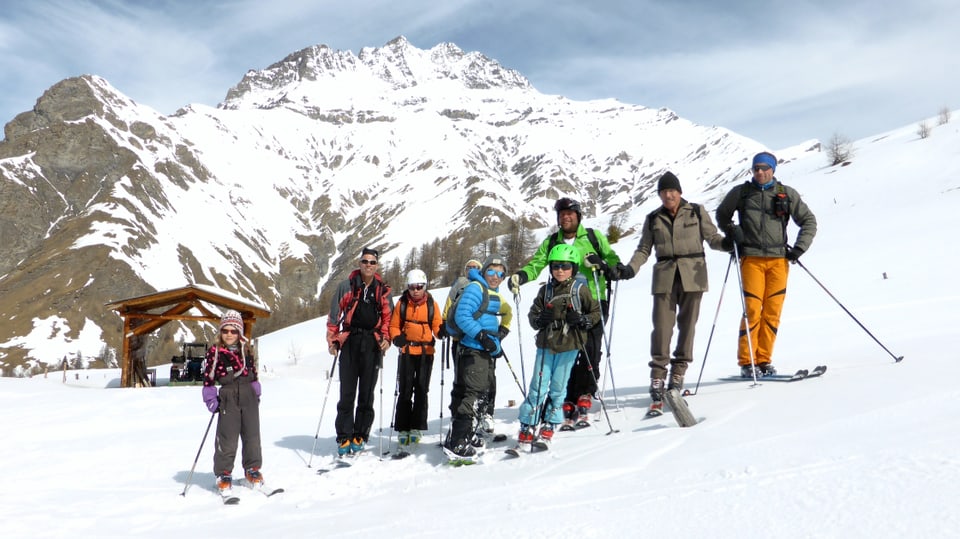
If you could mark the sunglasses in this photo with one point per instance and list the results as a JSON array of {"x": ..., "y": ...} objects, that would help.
[
  {"x": 759, "y": 168},
  {"x": 416, "y": 287},
  {"x": 495, "y": 273},
  {"x": 366, "y": 262},
  {"x": 226, "y": 331},
  {"x": 561, "y": 266}
]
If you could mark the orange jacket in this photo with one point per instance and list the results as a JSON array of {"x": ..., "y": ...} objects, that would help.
[{"x": 419, "y": 332}]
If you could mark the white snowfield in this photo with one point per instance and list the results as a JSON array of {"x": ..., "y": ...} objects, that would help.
[{"x": 867, "y": 450}]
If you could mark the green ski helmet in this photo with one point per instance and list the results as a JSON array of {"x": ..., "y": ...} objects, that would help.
[{"x": 565, "y": 253}]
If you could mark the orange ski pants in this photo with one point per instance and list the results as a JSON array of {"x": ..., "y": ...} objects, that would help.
[{"x": 764, "y": 289}]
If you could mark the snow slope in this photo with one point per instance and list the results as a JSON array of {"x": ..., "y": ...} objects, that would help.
[{"x": 868, "y": 450}]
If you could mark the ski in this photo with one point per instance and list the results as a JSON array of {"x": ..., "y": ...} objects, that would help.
[
  {"x": 537, "y": 446},
  {"x": 802, "y": 374},
  {"x": 401, "y": 454},
  {"x": 678, "y": 405},
  {"x": 228, "y": 498},
  {"x": 266, "y": 492},
  {"x": 655, "y": 410},
  {"x": 339, "y": 462},
  {"x": 817, "y": 371},
  {"x": 457, "y": 461}
]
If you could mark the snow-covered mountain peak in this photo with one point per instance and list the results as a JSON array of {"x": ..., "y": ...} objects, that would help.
[{"x": 319, "y": 76}]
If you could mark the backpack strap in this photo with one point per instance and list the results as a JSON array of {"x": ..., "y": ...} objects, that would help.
[{"x": 431, "y": 310}]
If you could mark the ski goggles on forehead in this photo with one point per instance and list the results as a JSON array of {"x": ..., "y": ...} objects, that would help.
[{"x": 496, "y": 273}]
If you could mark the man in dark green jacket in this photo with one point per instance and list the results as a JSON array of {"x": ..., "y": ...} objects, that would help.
[{"x": 764, "y": 207}]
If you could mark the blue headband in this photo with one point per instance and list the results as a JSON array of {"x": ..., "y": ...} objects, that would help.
[{"x": 765, "y": 158}]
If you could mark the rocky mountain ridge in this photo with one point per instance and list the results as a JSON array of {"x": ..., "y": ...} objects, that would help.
[{"x": 271, "y": 194}]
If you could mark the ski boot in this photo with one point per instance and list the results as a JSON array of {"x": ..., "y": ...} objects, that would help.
[
  {"x": 568, "y": 421},
  {"x": 749, "y": 371},
  {"x": 544, "y": 437},
  {"x": 357, "y": 445},
  {"x": 253, "y": 476},
  {"x": 583, "y": 411},
  {"x": 676, "y": 382},
  {"x": 486, "y": 424},
  {"x": 525, "y": 437},
  {"x": 766, "y": 369},
  {"x": 225, "y": 482},
  {"x": 656, "y": 398}
]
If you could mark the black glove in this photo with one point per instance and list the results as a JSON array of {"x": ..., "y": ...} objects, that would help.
[
  {"x": 576, "y": 319},
  {"x": 734, "y": 235},
  {"x": 727, "y": 244},
  {"x": 793, "y": 253},
  {"x": 400, "y": 341},
  {"x": 502, "y": 332},
  {"x": 442, "y": 332},
  {"x": 545, "y": 318},
  {"x": 487, "y": 341},
  {"x": 594, "y": 261},
  {"x": 737, "y": 233},
  {"x": 625, "y": 271}
]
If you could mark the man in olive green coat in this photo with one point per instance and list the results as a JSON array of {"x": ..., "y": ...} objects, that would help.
[
  {"x": 677, "y": 230},
  {"x": 764, "y": 206}
]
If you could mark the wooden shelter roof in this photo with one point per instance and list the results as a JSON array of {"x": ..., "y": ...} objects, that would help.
[{"x": 138, "y": 320}]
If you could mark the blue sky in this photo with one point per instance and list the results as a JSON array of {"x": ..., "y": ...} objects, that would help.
[{"x": 778, "y": 72}]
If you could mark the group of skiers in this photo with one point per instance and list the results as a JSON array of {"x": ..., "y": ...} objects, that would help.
[{"x": 568, "y": 314}]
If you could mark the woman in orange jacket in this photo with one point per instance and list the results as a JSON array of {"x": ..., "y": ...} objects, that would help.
[{"x": 414, "y": 328}]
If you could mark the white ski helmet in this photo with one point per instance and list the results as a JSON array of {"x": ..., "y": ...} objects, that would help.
[{"x": 416, "y": 277}]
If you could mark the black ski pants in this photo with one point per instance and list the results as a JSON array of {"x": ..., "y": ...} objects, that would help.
[
  {"x": 413, "y": 376},
  {"x": 472, "y": 378},
  {"x": 359, "y": 366}
]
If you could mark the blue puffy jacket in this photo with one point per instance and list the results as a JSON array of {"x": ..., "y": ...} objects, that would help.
[{"x": 469, "y": 303}]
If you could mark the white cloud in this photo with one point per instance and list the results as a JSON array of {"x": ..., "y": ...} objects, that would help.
[{"x": 853, "y": 66}]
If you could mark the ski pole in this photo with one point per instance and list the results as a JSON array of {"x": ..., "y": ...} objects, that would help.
[
  {"x": 515, "y": 379},
  {"x": 523, "y": 370},
  {"x": 380, "y": 414},
  {"x": 609, "y": 366},
  {"x": 203, "y": 441},
  {"x": 444, "y": 362},
  {"x": 746, "y": 320},
  {"x": 541, "y": 399},
  {"x": 326, "y": 394},
  {"x": 393, "y": 414},
  {"x": 896, "y": 359},
  {"x": 603, "y": 325},
  {"x": 603, "y": 405},
  {"x": 706, "y": 353}
]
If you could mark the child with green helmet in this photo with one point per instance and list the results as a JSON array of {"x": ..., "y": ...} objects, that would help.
[{"x": 561, "y": 313}]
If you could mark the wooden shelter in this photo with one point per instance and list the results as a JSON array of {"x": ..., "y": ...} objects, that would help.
[{"x": 145, "y": 314}]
